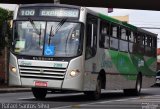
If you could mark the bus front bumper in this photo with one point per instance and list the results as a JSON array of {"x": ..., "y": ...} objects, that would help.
[{"x": 44, "y": 83}]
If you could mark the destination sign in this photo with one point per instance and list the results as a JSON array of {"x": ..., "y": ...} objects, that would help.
[
  {"x": 27, "y": 12},
  {"x": 60, "y": 12}
]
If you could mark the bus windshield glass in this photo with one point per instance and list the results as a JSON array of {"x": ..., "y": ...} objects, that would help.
[{"x": 50, "y": 39}]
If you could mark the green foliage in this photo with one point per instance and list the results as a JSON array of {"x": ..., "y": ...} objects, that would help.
[
  {"x": 5, "y": 15},
  {"x": 5, "y": 18}
]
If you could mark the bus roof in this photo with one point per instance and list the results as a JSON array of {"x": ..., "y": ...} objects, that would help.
[{"x": 48, "y": 5}]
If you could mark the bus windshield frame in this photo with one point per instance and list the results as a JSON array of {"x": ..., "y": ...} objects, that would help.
[{"x": 48, "y": 38}]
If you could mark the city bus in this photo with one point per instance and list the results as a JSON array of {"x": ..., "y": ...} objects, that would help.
[{"x": 57, "y": 47}]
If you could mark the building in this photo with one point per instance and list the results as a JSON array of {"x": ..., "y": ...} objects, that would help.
[{"x": 122, "y": 18}]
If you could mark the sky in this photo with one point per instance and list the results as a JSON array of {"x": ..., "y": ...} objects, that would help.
[{"x": 140, "y": 18}]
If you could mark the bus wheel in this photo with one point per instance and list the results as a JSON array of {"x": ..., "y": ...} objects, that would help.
[
  {"x": 137, "y": 89},
  {"x": 97, "y": 93},
  {"x": 138, "y": 85},
  {"x": 39, "y": 93}
]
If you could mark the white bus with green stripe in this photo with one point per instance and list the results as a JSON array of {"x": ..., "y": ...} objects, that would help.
[{"x": 70, "y": 48}]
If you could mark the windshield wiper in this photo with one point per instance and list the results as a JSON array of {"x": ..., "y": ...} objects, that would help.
[
  {"x": 53, "y": 32},
  {"x": 35, "y": 28},
  {"x": 50, "y": 35}
]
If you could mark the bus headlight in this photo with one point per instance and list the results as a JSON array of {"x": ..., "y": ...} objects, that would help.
[
  {"x": 12, "y": 69},
  {"x": 74, "y": 73}
]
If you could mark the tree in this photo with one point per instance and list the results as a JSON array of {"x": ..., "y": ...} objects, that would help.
[{"x": 5, "y": 18}]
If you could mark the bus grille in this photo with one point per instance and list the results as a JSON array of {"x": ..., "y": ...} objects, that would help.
[{"x": 42, "y": 72}]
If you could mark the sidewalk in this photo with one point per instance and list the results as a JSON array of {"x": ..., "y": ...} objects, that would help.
[{"x": 10, "y": 89}]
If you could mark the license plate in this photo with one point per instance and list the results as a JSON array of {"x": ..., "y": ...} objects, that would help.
[{"x": 41, "y": 84}]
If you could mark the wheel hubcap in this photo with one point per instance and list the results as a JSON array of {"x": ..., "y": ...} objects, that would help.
[{"x": 138, "y": 86}]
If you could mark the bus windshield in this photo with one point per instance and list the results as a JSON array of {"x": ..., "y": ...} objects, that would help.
[{"x": 50, "y": 39}]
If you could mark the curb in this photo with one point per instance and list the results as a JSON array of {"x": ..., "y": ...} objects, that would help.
[{"x": 14, "y": 90}]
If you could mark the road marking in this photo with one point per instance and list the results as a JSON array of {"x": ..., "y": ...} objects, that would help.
[
  {"x": 144, "y": 101},
  {"x": 87, "y": 104},
  {"x": 26, "y": 98}
]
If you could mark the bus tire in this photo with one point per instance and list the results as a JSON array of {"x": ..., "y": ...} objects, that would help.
[
  {"x": 137, "y": 90},
  {"x": 97, "y": 92},
  {"x": 39, "y": 93},
  {"x": 95, "y": 95},
  {"x": 138, "y": 85}
]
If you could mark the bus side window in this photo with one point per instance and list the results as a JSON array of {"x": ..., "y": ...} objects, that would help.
[
  {"x": 131, "y": 41},
  {"x": 154, "y": 46},
  {"x": 154, "y": 42},
  {"x": 131, "y": 37},
  {"x": 114, "y": 37},
  {"x": 148, "y": 44},
  {"x": 139, "y": 43},
  {"x": 104, "y": 35},
  {"x": 123, "y": 41},
  {"x": 91, "y": 36}
]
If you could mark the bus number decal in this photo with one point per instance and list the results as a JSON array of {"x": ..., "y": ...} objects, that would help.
[
  {"x": 26, "y": 63},
  {"x": 29, "y": 12},
  {"x": 57, "y": 65}
]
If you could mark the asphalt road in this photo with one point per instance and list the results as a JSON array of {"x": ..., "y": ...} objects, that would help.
[{"x": 149, "y": 99}]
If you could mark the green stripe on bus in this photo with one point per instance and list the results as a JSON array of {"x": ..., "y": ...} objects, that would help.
[
  {"x": 110, "y": 19},
  {"x": 150, "y": 61},
  {"x": 129, "y": 64}
]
